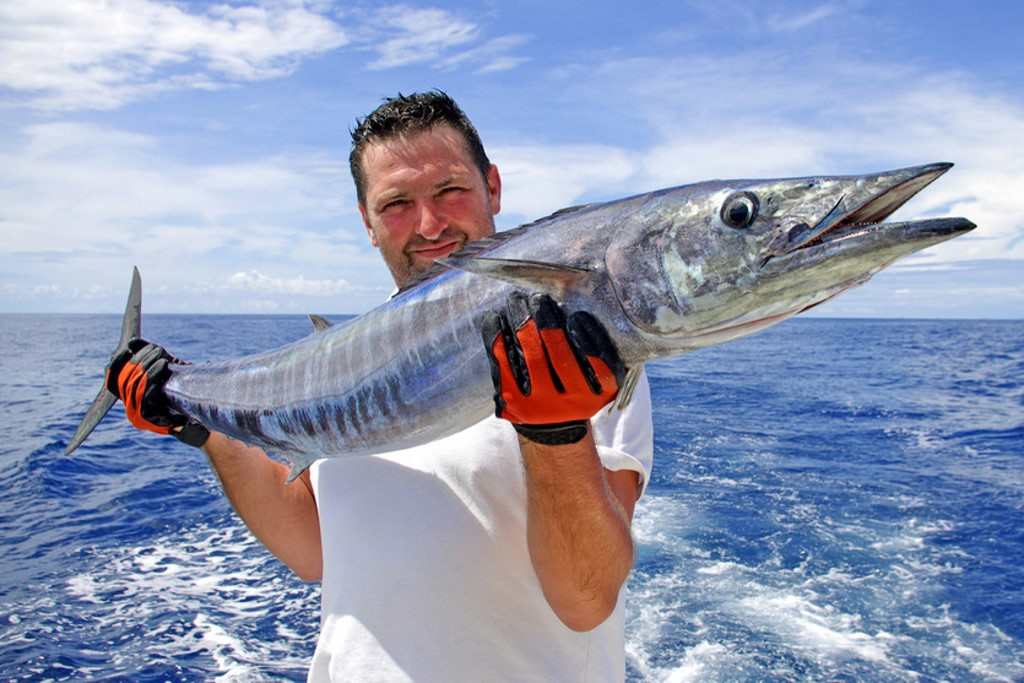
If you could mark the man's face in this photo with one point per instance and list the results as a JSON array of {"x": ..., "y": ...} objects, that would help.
[{"x": 425, "y": 198}]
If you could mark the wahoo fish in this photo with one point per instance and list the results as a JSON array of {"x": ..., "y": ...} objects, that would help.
[{"x": 667, "y": 272}]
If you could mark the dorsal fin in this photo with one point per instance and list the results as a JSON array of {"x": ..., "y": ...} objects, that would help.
[
  {"x": 482, "y": 246},
  {"x": 320, "y": 323}
]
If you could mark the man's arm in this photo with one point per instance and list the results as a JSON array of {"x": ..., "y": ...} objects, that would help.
[
  {"x": 282, "y": 516},
  {"x": 551, "y": 374},
  {"x": 578, "y": 529}
]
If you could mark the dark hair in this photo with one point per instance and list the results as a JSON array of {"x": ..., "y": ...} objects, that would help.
[{"x": 411, "y": 114}]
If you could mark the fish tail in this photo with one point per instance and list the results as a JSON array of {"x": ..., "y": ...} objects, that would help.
[{"x": 131, "y": 328}]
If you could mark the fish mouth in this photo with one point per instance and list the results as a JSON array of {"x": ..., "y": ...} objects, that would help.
[
  {"x": 857, "y": 220},
  {"x": 864, "y": 203},
  {"x": 907, "y": 183}
]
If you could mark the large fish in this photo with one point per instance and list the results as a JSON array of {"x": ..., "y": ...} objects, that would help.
[{"x": 668, "y": 272}]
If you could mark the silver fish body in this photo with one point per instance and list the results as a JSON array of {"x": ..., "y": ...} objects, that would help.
[{"x": 667, "y": 272}]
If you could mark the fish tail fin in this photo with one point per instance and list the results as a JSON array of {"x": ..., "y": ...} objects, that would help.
[{"x": 131, "y": 328}]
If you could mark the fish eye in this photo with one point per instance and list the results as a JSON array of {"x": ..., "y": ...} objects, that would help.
[{"x": 740, "y": 209}]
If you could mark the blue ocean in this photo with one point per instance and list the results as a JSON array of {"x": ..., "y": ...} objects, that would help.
[{"x": 832, "y": 500}]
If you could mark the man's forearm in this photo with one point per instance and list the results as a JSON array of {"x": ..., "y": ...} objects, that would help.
[
  {"x": 282, "y": 516},
  {"x": 577, "y": 531}
]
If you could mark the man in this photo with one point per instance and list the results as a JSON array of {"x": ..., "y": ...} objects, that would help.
[{"x": 498, "y": 553}]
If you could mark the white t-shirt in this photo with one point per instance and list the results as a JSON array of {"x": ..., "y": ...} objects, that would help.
[{"x": 427, "y": 575}]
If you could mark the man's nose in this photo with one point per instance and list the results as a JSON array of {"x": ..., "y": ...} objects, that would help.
[{"x": 432, "y": 222}]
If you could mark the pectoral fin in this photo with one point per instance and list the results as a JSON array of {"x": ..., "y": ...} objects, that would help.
[
  {"x": 553, "y": 278},
  {"x": 627, "y": 389}
]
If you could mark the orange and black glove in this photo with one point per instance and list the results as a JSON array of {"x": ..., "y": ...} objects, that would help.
[
  {"x": 551, "y": 374},
  {"x": 137, "y": 376}
]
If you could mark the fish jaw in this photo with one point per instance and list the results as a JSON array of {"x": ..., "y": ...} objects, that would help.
[
  {"x": 859, "y": 200},
  {"x": 851, "y": 254}
]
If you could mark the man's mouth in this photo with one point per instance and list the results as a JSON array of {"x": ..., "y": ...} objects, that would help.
[{"x": 434, "y": 251}]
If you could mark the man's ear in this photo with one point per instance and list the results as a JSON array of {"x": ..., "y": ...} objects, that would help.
[
  {"x": 366, "y": 224},
  {"x": 494, "y": 189}
]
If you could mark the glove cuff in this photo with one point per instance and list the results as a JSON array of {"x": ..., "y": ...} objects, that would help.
[
  {"x": 558, "y": 434},
  {"x": 193, "y": 434}
]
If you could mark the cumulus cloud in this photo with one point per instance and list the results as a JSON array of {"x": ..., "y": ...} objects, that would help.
[
  {"x": 82, "y": 54},
  {"x": 766, "y": 113},
  {"x": 255, "y": 281},
  {"x": 402, "y": 35},
  {"x": 491, "y": 55},
  {"x": 82, "y": 203},
  {"x": 418, "y": 35},
  {"x": 78, "y": 186},
  {"x": 69, "y": 54},
  {"x": 538, "y": 179}
]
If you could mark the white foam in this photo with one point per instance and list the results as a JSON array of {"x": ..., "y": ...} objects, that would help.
[
  {"x": 218, "y": 577},
  {"x": 820, "y": 628},
  {"x": 719, "y": 568},
  {"x": 83, "y": 587},
  {"x": 695, "y": 663},
  {"x": 229, "y": 652},
  {"x": 661, "y": 521}
]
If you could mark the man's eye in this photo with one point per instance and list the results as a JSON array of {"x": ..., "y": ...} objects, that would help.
[
  {"x": 394, "y": 204},
  {"x": 451, "y": 191}
]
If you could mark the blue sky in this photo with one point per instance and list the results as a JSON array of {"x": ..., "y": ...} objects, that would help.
[{"x": 207, "y": 143}]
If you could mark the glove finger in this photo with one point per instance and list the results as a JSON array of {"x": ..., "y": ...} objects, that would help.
[
  {"x": 517, "y": 312},
  {"x": 570, "y": 369},
  {"x": 542, "y": 379},
  {"x": 141, "y": 364},
  {"x": 135, "y": 388},
  {"x": 490, "y": 330},
  {"x": 147, "y": 355},
  {"x": 565, "y": 363},
  {"x": 158, "y": 371},
  {"x": 154, "y": 401},
  {"x": 589, "y": 336},
  {"x": 128, "y": 380},
  {"x": 507, "y": 389},
  {"x": 133, "y": 372},
  {"x": 136, "y": 344},
  {"x": 139, "y": 412}
]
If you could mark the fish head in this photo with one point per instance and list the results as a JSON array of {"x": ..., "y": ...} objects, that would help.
[{"x": 705, "y": 263}]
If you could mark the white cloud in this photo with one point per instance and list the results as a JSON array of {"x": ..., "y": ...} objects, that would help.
[
  {"x": 733, "y": 150},
  {"x": 539, "y": 179},
  {"x": 766, "y": 113},
  {"x": 402, "y": 35},
  {"x": 70, "y": 54},
  {"x": 83, "y": 54},
  {"x": 491, "y": 55},
  {"x": 502, "y": 64},
  {"x": 418, "y": 35},
  {"x": 796, "y": 22},
  {"x": 755, "y": 18},
  {"x": 83, "y": 203},
  {"x": 258, "y": 282}
]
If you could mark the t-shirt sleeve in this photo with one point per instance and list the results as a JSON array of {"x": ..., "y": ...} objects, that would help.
[{"x": 625, "y": 439}]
